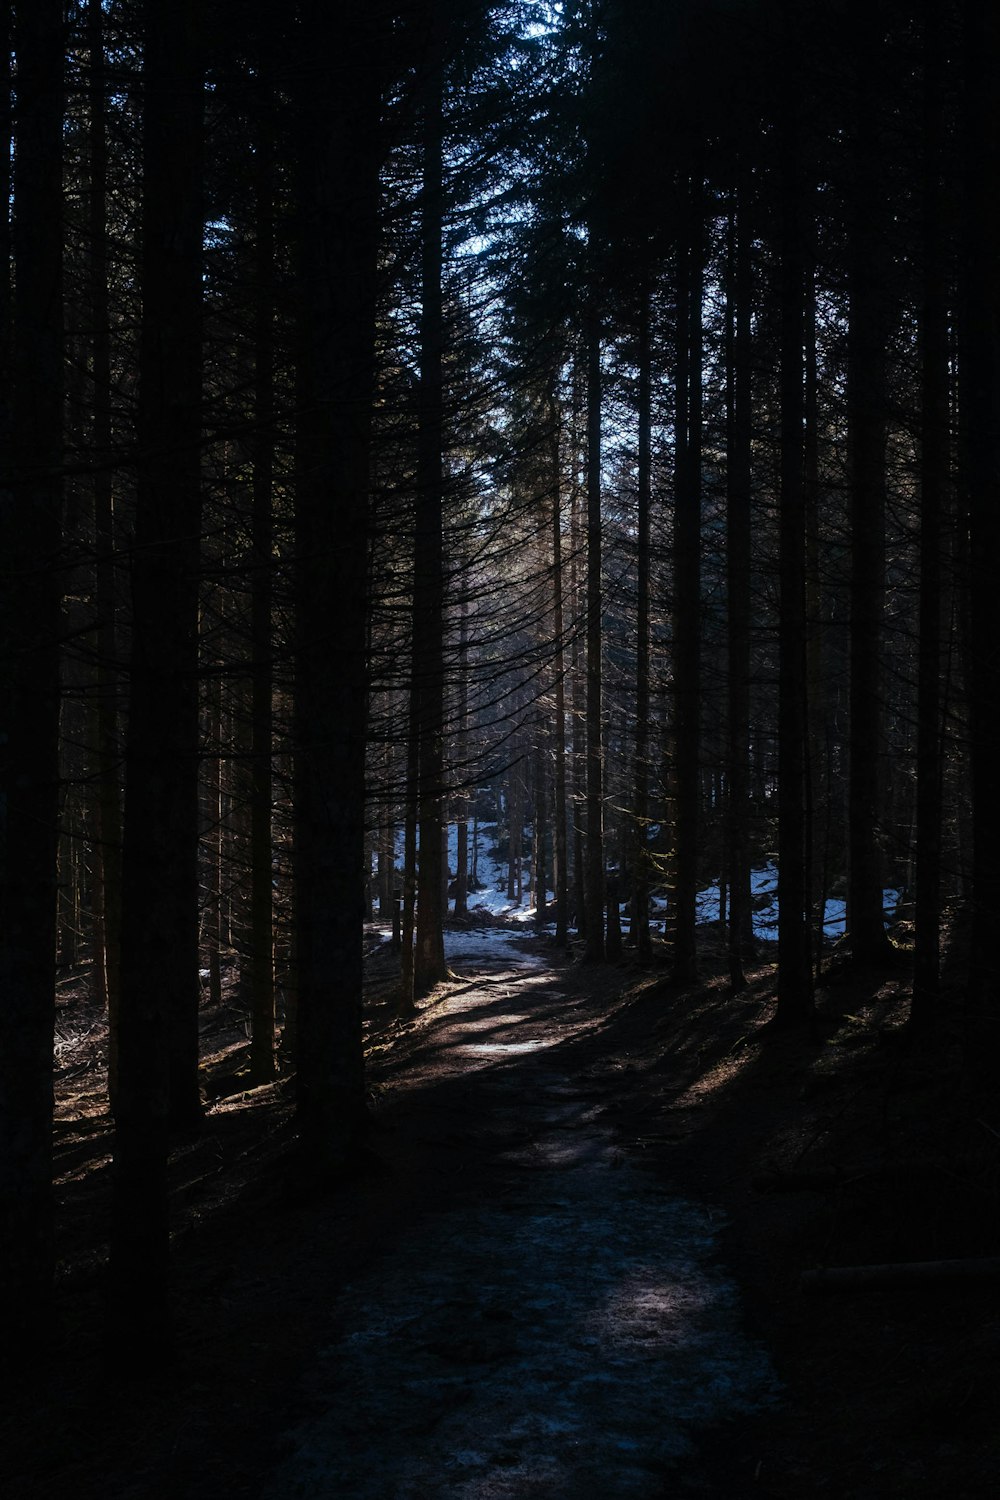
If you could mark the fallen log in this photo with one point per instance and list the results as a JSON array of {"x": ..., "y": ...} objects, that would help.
[{"x": 899, "y": 1274}]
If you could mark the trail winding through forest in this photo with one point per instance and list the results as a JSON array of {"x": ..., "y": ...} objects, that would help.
[{"x": 563, "y": 1328}]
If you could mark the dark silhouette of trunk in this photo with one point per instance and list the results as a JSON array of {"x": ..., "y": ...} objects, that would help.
[
  {"x": 539, "y": 825},
  {"x": 339, "y": 109},
  {"x": 738, "y": 599},
  {"x": 640, "y": 894},
  {"x": 262, "y": 1001},
  {"x": 429, "y": 965},
  {"x": 462, "y": 826},
  {"x": 594, "y": 873},
  {"x": 980, "y": 383},
  {"x": 866, "y": 418},
  {"x": 409, "y": 903},
  {"x": 934, "y": 467},
  {"x": 29, "y": 691},
  {"x": 560, "y": 853},
  {"x": 107, "y": 804},
  {"x": 687, "y": 590},
  {"x": 795, "y": 1003},
  {"x": 158, "y": 1030},
  {"x": 578, "y": 714},
  {"x": 213, "y": 842}
]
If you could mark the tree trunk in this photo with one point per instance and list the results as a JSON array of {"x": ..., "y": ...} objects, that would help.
[
  {"x": 428, "y": 587},
  {"x": 262, "y": 1005},
  {"x": 739, "y": 430},
  {"x": 934, "y": 467},
  {"x": 866, "y": 417},
  {"x": 980, "y": 374},
  {"x": 687, "y": 591},
  {"x": 29, "y": 692},
  {"x": 107, "y": 821},
  {"x": 795, "y": 1002},
  {"x": 339, "y": 111},
  {"x": 640, "y": 898},
  {"x": 462, "y": 829},
  {"x": 594, "y": 874},
  {"x": 559, "y": 841},
  {"x": 158, "y": 1032}
]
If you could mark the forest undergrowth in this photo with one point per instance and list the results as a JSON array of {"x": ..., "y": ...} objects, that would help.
[{"x": 856, "y": 1147}]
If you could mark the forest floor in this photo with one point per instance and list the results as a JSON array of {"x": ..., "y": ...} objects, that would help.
[{"x": 568, "y": 1265}]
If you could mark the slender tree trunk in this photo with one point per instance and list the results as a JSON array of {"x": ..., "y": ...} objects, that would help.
[
  {"x": 578, "y": 716},
  {"x": 795, "y": 1003},
  {"x": 462, "y": 829},
  {"x": 980, "y": 373},
  {"x": 934, "y": 466},
  {"x": 29, "y": 692},
  {"x": 408, "y": 916},
  {"x": 687, "y": 594},
  {"x": 559, "y": 850},
  {"x": 158, "y": 1031},
  {"x": 339, "y": 108},
  {"x": 738, "y": 552},
  {"x": 594, "y": 877},
  {"x": 640, "y": 901},
  {"x": 213, "y": 844},
  {"x": 262, "y": 1000},
  {"x": 867, "y": 415},
  {"x": 539, "y": 825},
  {"x": 107, "y": 822},
  {"x": 428, "y": 591}
]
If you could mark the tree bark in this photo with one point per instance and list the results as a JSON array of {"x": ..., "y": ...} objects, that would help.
[
  {"x": 158, "y": 1032},
  {"x": 428, "y": 587},
  {"x": 795, "y": 1000},
  {"x": 30, "y": 600},
  {"x": 934, "y": 467},
  {"x": 560, "y": 852},
  {"x": 339, "y": 109},
  {"x": 687, "y": 591},
  {"x": 738, "y": 598},
  {"x": 108, "y": 816},
  {"x": 980, "y": 388},
  {"x": 594, "y": 874},
  {"x": 640, "y": 898},
  {"x": 868, "y": 331},
  {"x": 262, "y": 1001}
]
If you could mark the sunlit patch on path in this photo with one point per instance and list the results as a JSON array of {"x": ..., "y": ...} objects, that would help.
[{"x": 565, "y": 1331}]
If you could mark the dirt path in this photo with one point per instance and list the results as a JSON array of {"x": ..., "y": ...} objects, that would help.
[{"x": 563, "y": 1327}]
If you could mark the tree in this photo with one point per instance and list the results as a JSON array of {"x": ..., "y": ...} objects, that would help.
[
  {"x": 158, "y": 1028},
  {"x": 794, "y": 968},
  {"x": 29, "y": 688},
  {"x": 338, "y": 101}
]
